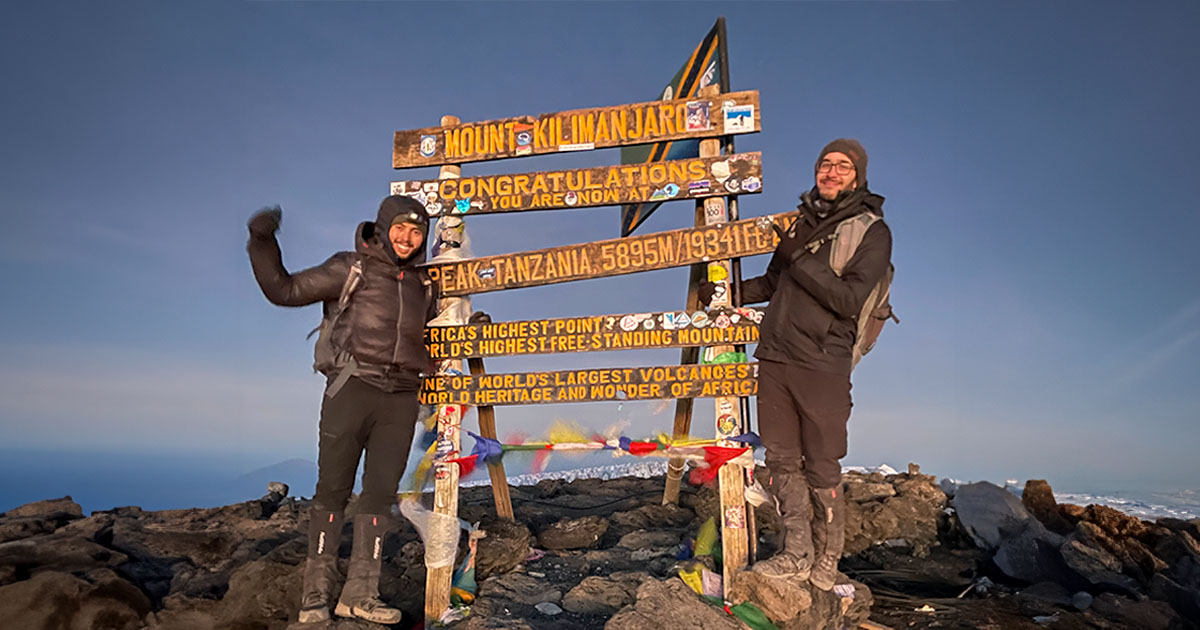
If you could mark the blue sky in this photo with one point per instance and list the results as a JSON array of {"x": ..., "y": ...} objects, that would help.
[{"x": 1035, "y": 157}]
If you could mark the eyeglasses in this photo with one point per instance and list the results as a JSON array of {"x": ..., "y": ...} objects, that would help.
[{"x": 842, "y": 168}]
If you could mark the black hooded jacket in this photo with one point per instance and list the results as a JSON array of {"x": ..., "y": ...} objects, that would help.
[
  {"x": 811, "y": 317},
  {"x": 383, "y": 324}
]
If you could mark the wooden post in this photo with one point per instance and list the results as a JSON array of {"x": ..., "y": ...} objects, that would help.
[
  {"x": 731, "y": 478},
  {"x": 683, "y": 406},
  {"x": 445, "y": 496},
  {"x": 487, "y": 428}
]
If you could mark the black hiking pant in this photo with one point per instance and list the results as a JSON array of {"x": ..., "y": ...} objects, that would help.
[
  {"x": 362, "y": 417},
  {"x": 802, "y": 417}
]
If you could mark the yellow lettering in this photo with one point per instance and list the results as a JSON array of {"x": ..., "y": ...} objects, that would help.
[{"x": 452, "y": 146}]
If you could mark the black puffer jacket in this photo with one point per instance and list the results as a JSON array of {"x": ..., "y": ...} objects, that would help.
[
  {"x": 811, "y": 318},
  {"x": 383, "y": 324}
]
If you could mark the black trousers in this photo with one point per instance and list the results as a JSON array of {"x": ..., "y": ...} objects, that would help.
[
  {"x": 362, "y": 417},
  {"x": 802, "y": 417}
]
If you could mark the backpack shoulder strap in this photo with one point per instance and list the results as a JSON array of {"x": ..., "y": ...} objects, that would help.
[
  {"x": 354, "y": 278},
  {"x": 847, "y": 237}
]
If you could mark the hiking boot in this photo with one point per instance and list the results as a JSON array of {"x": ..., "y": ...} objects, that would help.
[
  {"x": 794, "y": 560},
  {"x": 320, "y": 569},
  {"x": 360, "y": 596},
  {"x": 829, "y": 535}
]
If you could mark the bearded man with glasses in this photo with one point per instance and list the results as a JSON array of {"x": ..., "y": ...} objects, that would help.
[{"x": 805, "y": 356}]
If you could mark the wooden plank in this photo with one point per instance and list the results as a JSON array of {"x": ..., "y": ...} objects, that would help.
[
  {"x": 445, "y": 493},
  {"x": 593, "y": 333},
  {"x": 487, "y": 428},
  {"x": 578, "y": 130},
  {"x": 614, "y": 257},
  {"x": 593, "y": 384},
  {"x": 693, "y": 178}
]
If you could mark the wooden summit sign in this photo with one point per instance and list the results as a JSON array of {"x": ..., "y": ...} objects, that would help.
[
  {"x": 639, "y": 331},
  {"x": 586, "y": 187},
  {"x": 578, "y": 130},
  {"x": 614, "y": 257},
  {"x": 641, "y": 383}
]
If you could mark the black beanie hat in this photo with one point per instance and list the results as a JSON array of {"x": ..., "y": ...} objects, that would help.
[
  {"x": 854, "y": 151},
  {"x": 402, "y": 209}
]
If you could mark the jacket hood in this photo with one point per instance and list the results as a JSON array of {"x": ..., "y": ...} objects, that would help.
[{"x": 394, "y": 209}]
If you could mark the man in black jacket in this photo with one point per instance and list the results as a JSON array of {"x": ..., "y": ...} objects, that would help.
[
  {"x": 374, "y": 372},
  {"x": 804, "y": 351}
]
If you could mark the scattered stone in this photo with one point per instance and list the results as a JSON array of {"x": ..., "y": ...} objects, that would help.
[
  {"x": 1082, "y": 600},
  {"x": 1032, "y": 555},
  {"x": 505, "y": 546},
  {"x": 546, "y": 608},
  {"x": 641, "y": 539},
  {"x": 1113, "y": 522},
  {"x": 277, "y": 487},
  {"x": 601, "y": 595},
  {"x": 653, "y": 516},
  {"x": 670, "y": 604},
  {"x": 52, "y": 508},
  {"x": 51, "y": 599},
  {"x": 1097, "y": 567},
  {"x": 573, "y": 533},
  {"x": 989, "y": 513},
  {"x": 1186, "y": 601},
  {"x": 1038, "y": 499},
  {"x": 1144, "y": 615},
  {"x": 520, "y": 588}
]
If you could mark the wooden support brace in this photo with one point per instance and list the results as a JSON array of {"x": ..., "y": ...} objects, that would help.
[{"x": 487, "y": 428}]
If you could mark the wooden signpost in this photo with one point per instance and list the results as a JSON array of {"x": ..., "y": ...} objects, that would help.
[
  {"x": 577, "y": 130},
  {"x": 618, "y": 256},
  {"x": 641, "y": 383},
  {"x": 587, "y": 187},
  {"x": 706, "y": 247},
  {"x": 634, "y": 331}
]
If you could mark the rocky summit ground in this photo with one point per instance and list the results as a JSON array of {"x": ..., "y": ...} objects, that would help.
[{"x": 604, "y": 554}]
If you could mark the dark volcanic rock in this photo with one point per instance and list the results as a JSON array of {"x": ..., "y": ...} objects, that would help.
[
  {"x": 505, "y": 546},
  {"x": 1038, "y": 499},
  {"x": 520, "y": 588},
  {"x": 64, "y": 508},
  {"x": 1032, "y": 555},
  {"x": 1186, "y": 601},
  {"x": 908, "y": 516},
  {"x": 781, "y": 600},
  {"x": 574, "y": 533},
  {"x": 654, "y": 516},
  {"x": 597, "y": 595},
  {"x": 1144, "y": 615},
  {"x": 989, "y": 513},
  {"x": 670, "y": 604},
  {"x": 1097, "y": 567},
  {"x": 642, "y": 539},
  {"x": 262, "y": 593},
  {"x": 1115, "y": 523},
  {"x": 51, "y": 600}
]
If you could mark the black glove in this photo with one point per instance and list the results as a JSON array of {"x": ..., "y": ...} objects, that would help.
[
  {"x": 705, "y": 292},
  {"x": 265, "y": 222},
  {"x": 479, "y": 317},
  {"x": 788, "y": 245}
]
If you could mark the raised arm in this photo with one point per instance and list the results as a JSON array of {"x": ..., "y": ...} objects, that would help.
[{"x": 316, "y": 284}]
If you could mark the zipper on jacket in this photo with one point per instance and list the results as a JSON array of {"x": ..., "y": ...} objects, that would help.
[{"x": 399, "y": 317}]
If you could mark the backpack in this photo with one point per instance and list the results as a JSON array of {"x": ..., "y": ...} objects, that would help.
[
  {"x": 326, "y": 357},
  {"x": 877, "y": 309}
]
